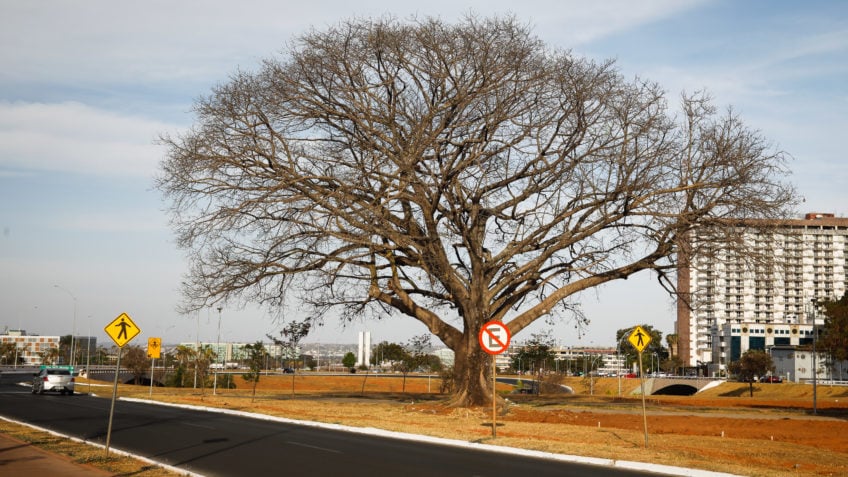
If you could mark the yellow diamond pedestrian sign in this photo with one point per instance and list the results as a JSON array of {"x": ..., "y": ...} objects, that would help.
[
  {"x": 122, "y": 330},
  {"x": 639, "y": 338}
]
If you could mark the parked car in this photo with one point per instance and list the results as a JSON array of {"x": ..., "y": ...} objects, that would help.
[
  {"x": 771, "y": 379},
  {"x": 53, "y": 378}
]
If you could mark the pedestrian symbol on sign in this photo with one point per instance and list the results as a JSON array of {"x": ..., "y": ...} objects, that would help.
[
  {"x": 639, "y": 338},
  {"x": 154, "y": 346},
  {"x": 123, "y": 326},
  {"x": 122, "y": 330}
]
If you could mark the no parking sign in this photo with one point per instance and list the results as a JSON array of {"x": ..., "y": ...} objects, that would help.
[{"x": 494, "y": 337}]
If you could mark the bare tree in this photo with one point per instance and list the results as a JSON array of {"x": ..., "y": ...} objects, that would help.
[
  {"x": 415, "y": 356},
  {"x": 136, "y": 361},
  {"x": 256, "y": 354},
  {"x": 753, "y": 363},
  {"x": 452, "y": 173},
  {"x": 292, "y": 334}
]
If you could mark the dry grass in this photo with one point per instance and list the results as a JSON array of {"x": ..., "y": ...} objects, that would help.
[
  {"x": 722, "y": 429},
  {"x": 81, "y": 453}
]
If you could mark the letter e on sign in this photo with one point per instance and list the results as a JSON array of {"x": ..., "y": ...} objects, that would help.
[{"x": 494, "y": 337}]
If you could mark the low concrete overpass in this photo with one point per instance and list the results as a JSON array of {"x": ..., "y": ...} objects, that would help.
[{"x": 677, "y": 385}]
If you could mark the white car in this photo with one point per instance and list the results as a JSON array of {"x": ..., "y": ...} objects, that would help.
[{"x": 53, "y": 378}]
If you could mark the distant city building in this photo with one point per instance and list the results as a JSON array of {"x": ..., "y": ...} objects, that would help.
[
  {"x": 363, "y": 355},
  {"x": 727, "y": 294},
  {"x": 572, "y": 360},
  {"x": 732, "y": 339},
  {"x": 796, "y": 365},
  {"x": 29, "y": 348},
  {"x": 233, "y": 352},
  {"x": 446, "y": 356}
]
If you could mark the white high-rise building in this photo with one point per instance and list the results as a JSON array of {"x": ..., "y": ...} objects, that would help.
[
  {"x": 363, "y": 355},
  {"x": 810, "y": 262}
]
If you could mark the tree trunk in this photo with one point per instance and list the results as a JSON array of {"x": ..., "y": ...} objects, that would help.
[{"x": 472, "y": 368}]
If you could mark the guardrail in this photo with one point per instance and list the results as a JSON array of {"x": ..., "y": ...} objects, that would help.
[{"x": 827, "y": 382}]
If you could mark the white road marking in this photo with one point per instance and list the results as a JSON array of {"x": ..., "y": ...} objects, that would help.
[
  {"x": 198, "y": 425},
  {"x": 314, "y": 447}
]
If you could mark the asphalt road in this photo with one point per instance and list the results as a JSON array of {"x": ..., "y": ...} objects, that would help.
[{"x": 215, "y": 444}]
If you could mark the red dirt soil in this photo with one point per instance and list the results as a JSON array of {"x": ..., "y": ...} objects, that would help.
[{"x": 775, "y": 428}]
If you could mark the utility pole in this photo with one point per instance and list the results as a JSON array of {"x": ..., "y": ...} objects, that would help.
[
  {"x": 815, "y": 370},
  {"x": 74, "y": 329},
  {"x": 218, "y": 349}
]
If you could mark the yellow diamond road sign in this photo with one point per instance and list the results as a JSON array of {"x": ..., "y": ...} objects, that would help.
[
  {"x": 122, "y": 330},
  {"x": 639, "y": 338}
]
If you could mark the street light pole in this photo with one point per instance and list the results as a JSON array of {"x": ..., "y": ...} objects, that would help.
[
  {"x": 218, "y": 350},
  {"x": 197, "y": 350},
  {"x": 815, "y": 370},
  {"x": 618, "y": 357},
  {"x": 219, "y": 333},
  {"x": 74, "y": 330}
]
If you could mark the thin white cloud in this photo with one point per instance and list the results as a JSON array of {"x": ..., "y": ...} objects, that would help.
[
  {"x": 72, "y": 137},
  {"x": 101, "y": 44},
  {"x": 574, "y": 23},
  {"x": 102, "y": 41},
  {"x": 102, "y": 222},
  {"x": 821, "y": 43}
]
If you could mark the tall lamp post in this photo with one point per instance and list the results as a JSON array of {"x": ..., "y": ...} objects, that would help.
[
  {"x": 222, "y": 358},
  {"x": 618, "y": 357},
  {"x": 218, "y": 350},
  {"x": 74, "y": 330},
  {"x": 815, "y": 370}
]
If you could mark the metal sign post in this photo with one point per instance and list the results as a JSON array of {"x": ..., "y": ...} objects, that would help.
[
  {"x": 121, "y": 330},
  {"x": 494, "y": 339},
  {"x": 639, "y": 338},
  {"x": 152, "y": 369},
  {"x": 112, "y": 407},
  {"x": 494, "y": 398},
  {"x": 154, "y": 346}
]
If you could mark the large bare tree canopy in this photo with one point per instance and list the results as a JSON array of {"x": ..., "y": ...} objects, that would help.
[{"x": 452, "y": 173}]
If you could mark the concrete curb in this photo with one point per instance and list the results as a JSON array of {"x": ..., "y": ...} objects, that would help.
[
  {"x": 176, "y": 470},
  {"x": 619, "y": 464}
]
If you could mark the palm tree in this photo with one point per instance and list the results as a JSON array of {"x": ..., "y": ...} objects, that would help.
[
  {"x": 673, "y": 340},
  {"x": 184, "y": 356},
  {"x": 202, "y": 360},
  {"x": 50, "y": 356},
  {"x": 7, "y": 352}
]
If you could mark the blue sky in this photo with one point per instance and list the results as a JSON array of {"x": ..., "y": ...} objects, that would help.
[{"x": 87, "y": 87}]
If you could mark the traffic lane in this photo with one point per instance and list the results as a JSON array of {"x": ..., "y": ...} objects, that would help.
[
  {"x": 222, "y": 445},
  {"x": 53, "y": 411},
  {"x": 82, "y": 416},
  {"x": 216, "y": 444}
]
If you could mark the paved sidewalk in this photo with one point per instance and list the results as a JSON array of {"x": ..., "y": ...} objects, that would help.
[{"x": 20, "y": 458}]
